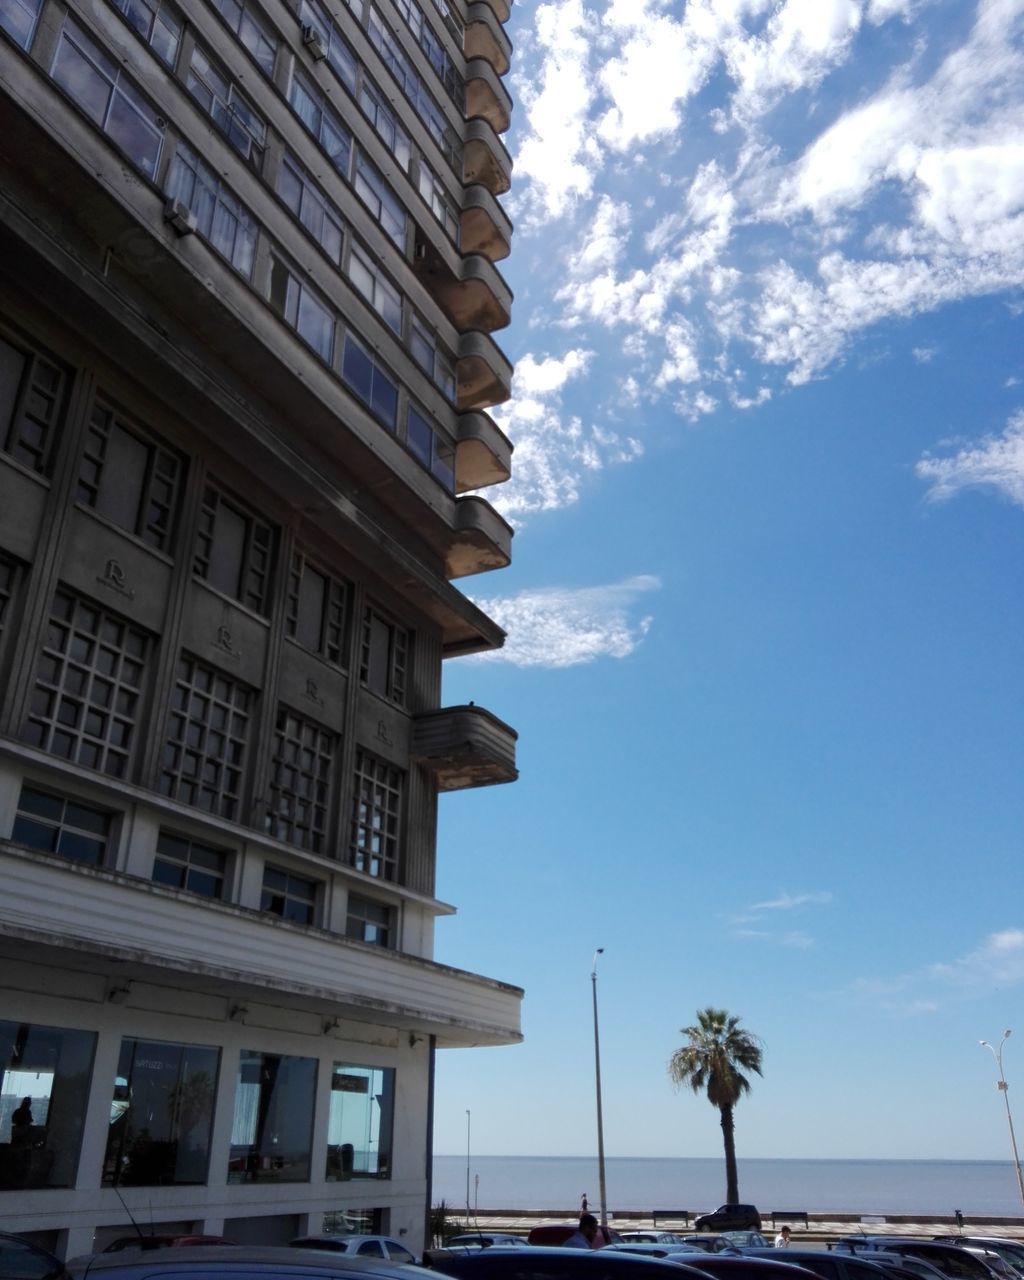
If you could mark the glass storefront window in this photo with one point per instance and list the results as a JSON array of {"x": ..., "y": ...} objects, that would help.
[
  {"x": 161, "y": 1114},
  {"x": 46, "y": 1073},
  {"x": 360, "y": 1124},
  {"x": 272, "y": 1131}
]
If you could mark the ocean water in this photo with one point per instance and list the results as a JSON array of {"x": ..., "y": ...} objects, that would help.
[{"x": 841, "y": 1186}]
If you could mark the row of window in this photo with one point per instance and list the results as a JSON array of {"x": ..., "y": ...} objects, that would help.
[
  {"x": 162, "y": 1110},
  {"x": 88, "y": 700},
  {"x": 131, "y": 477},
  {"x": 97, "y": 84},
  {"x": 60, "y": 824}
]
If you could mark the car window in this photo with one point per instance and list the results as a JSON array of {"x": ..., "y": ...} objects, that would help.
[
  {"x": 371, "y": 1249},
  {"x": 399, "y": 1253},
  {"x": 20, "y": 1261}
]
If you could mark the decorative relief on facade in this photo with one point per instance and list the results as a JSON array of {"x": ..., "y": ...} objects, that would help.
[
  {"x": 114, "y": 578},
  {"x": 225, "y": 643},
  {"x": 313, "y": 693},
  {"x": 384, "y": 733}
]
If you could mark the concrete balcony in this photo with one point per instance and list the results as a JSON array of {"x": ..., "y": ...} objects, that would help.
[
  {"x": 464, "y": 747},
  {"x": 486, "y": 96},
  {"x": 500, "y": 8},
  {"x": 112, "y": 923},
  {"x": 484, "y": 226},
  {"x": 485, "y": 158},
  {"x": 469, "y": 290},
  {"x": 485, "y": 37},
  {"x": 483, "y": 373},
  {"x": 481, "y": 540},
  {"x": 483, "y": 453}
]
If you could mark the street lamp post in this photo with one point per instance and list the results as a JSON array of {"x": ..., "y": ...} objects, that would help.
[
  {"x": 1003, "y": 1088},
  {"x": 469, "y": 1212},
  {"x": 597, "y": 1077}
]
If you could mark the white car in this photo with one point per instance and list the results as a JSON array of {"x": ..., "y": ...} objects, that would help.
[{"x": 358, "y": 1246}]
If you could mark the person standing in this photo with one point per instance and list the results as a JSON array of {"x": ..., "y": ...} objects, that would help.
[
  {"x": 21, "y": 1123},
  {"x": 583, "y": 1236},
  {"x": 782, "y": 1239}
]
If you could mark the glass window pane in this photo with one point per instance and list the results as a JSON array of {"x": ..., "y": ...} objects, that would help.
[
  {"x": 272, "y": 1131},
  {"x": 360, "y": 1122}
]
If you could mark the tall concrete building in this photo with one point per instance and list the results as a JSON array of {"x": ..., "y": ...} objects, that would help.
[{"x": 247, "y": 267}]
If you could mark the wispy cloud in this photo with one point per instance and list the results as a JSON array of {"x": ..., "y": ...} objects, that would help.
[
  {"x": 565, "y": 626},
  {"x": 995, "y": 462},
  {"x": 996, "y": 963},
  {"x": 758, "y": 922}
]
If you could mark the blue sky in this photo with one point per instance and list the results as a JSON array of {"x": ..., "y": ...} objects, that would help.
[{"x": 765, "y": 613}]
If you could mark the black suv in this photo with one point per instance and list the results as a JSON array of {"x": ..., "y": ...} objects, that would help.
[{"x": 730, "y": 1217}]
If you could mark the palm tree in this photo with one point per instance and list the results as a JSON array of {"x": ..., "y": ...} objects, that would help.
[{"x": 712, "y": 1061}]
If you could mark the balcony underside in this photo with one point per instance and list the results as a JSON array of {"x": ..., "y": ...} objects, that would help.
[{"x": 465, "y": 747}]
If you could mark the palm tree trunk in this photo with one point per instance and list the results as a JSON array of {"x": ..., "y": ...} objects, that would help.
[{"x": 732, "y": 1182}]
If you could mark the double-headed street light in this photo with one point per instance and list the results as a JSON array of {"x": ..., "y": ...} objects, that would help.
[
  {"x": 597, "y": 1075},
  {"x": 1001, "y": 1085}
]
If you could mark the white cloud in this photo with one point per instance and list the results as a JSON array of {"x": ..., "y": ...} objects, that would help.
[
  {"x": 996, "y": 462},
  {"x": 565, "y": 627},
  {"x": 791, "y": 901}
]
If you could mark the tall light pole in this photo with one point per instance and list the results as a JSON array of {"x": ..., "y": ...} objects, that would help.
[
  {"x": 469, "y": 1212},
  {"x": 1001, "y": 1085},
  {"x": 597, "y": 1076}
]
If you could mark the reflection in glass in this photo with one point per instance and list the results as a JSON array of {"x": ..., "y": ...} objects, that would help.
[
  {"x": 45, "y": 1087},
  {"x": 360, "y": 1124},
  {"x": 161, "y": 1114},
  {"x": 273, "y": 1126}
]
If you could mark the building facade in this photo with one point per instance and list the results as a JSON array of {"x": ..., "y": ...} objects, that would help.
[{"x": 247, "y": 264}]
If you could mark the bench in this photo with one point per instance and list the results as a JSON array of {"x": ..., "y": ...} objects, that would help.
[
  {"x": 672, "y": 1215},
  {"x": 788, "y": 1215}
]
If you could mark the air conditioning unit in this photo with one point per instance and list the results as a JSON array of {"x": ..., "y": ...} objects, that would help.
[
  {"x": 312, "y": 40},
  {"x": 180, "y": 216}
]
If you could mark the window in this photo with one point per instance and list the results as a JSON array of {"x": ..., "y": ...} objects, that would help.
[
  {"x": 317, "y": 214},
  {"x": 8, "y": 574},
  {"x": 130, "y": 479},
  {"x": 204, "y": 757},
  {"x": 364, "y": 376},
  {"x": 100, "y": 89},
  {"x": 322, "y": 122},
  {"x": 32, "y": 394},
  {"x": 433, "y": 47},
  {"x": 234, "y": 550},
  {"x": 184, "y": 863},
  {"x": 157, "y": 23},
  {"x": 375, "y": 287},
  {"x": 88, "y": 687},
  {"x": 368, "y": 921},
  {"x": 60, "y": 824},
  {"x": 272, "y": 1130},
  {"x": 161, "y": 1115},
  {"x": 376, "y": 806},
  {"x": 439, "y": 201},
  {"x": 317, "y": 610},
  {"x": 18, "y": 18},
  {"x": 226, "y": 106},
  {"x": 251, "y": 31},
  {"x": 360, "y": 1124},
  {"x": 340, "y": 57},
  {"x": 430, "y": 448},
  {"x": 288, "y": 896},
  {"x": 301, "y": 782},
  {"x": 385, "y": 122},
  {"x": 300, "y": 308},
  {"x": 384, "y": 656},
  {"x": 380, "y": 199},
  {"x": 46, "y": 1074},
  {"x": 432, "y": 360},
  {"x": 220, "y": 218}
]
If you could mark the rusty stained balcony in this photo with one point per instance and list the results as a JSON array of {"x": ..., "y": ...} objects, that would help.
[
  {"x": 464, "y": 747},
  {"x": 485, "y": 159},
  {"x": 500, "y": 8},
  {"x": 486, "y": 97},
  {"x": 483, "y": 453},
  {"x": 480, "y": 540},
  {"x": 485, "y": 37},
  {"x": 483, "y": 373},
  {"x": 469, "y": 290},
  {"x": 485, "y": 227}
]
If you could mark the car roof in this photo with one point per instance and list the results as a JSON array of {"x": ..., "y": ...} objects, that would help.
[{"x": 245, "y": 1258}]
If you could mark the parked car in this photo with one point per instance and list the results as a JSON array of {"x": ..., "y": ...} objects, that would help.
[
  {"x": 545, "y": 1263},
  {"x": 486, "y": 1240},
  {"x": 142, "y": 1241},
  {"x": 957, "y": 1263},
  {"x": 358, "y": 1246},
  {"x": 735, "y": 1266},
  {"x": 730, "y": 1217},
  {"x": 652, "y": 1237},
  {"x": 727, "y": 1240},
  {"x": 20, "y": 1260},
  {"x": 237, "y": 1262},
  {"x": 745, "y": 1239},
  {"x": 830, "y": 1265},
  {"x": 556, "y": 1233},
  {"x": 646, "y": 1249},
  {"x": 894, "y": 1262},
  {"x": 1011, "y": 1251}
]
